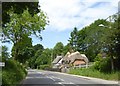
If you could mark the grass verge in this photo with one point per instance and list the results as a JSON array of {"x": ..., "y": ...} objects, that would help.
[{"x": 95, "y": 73}]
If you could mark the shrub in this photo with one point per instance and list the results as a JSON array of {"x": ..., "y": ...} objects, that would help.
[
  {"x": 102, "y": 64},
  {"x": 44, "y": 67},
  {"x": 12, "y": 73},
  {"x": 105, "y": 65}
]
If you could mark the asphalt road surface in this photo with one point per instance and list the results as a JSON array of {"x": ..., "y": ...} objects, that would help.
[{"x": 48, "y": 78}]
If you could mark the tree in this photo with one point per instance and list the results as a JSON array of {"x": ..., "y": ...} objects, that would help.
[
  {"x": 5, "y": 53},
  {"x": 81, "y": 40},
  {"x": 38, "y": 47},
  {"x": 73, "y": 39},
  {"x": 43, "y": 58},
  {"x": 18, "y": 8},
  {"x": 112, "y": 40},
  {"x": 58, "y": 49},
  {"x": 36, "y": 60},
  {"x": 23, "y": 25},
  {"x": 89, "y": 39},
  {"x": 66, "y": 49},
  {"x": 24, "y": 49}
]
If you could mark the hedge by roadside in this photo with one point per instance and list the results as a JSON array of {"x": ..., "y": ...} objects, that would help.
[{"x": 12, "y": 73}]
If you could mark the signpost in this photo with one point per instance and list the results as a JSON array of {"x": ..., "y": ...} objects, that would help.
[{"x": 2, "y": 64}]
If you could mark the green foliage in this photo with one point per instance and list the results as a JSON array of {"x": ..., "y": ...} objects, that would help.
[
  {"x": 20, "y": 27},
  {"x": 5, "y": 53},
  {"x": 58, "y": 49},
  {"x": 102, "y": 64},
  {"x": 44, "y": 58},
  {"x": 88, "y": 40},
  {"x": 94, "y": 38},
  {"x": 23, "y": 49},
  {"x": 24, "y": 24},
  {"x": 66, "y": 49},
  {"x": 41, "y": 57},
  {"x": 73, "y": 39},
  {"x": 38, "y": 47},
  {"x": 44, "y": 67},
  {"x": 111, "y": 41},
  {"x": 91, "y": 72},
  {"x": 18, "y": 7},
  {"x": 12, "y": 73}
]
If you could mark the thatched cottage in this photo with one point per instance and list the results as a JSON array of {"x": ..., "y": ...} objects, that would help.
[
  {"x": 75, "y": 59},
  {"x": 57, "y": 61},
  {"x": 70, "y": 60}
]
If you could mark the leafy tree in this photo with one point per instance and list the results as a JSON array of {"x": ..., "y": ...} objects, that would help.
[
  {"x": 112, "y": 41},
  {"x": 41, "y": 56},
  {"x": 73, "y": 39},
  {"x": 58, "y": 49},
  {"x": 37, "y": 51},
  {"x": 89, "y": 39},
  {"x": 18, "y": 7},
  {"x": 24, "y": 49},
  {"x": 23, "y": 25},
  {"x": 66, "y": 48},
  {"x": 38, "y": 47},
  {"x": 81, "y": 40},
  {"x": 44, "y": 58}
]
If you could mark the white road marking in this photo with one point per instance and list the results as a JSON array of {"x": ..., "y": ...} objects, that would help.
[
  {"x": 63, "y": 83},
  {"x": 60, "y": 83},
  {"x": 51, "y": 78},
  {"x": 58, "y": 78},
  {"x": 55, "y": 78},
  {"x": 41, "y": 73}
]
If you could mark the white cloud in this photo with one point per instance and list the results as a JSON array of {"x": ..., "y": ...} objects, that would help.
[{"x": 66, "y": 14}]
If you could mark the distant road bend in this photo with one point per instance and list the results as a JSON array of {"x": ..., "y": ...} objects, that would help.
[{"x": 48, "y": 78}]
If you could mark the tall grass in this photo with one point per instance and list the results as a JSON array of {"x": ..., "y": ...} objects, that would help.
[{"x": 90, "y": 72}]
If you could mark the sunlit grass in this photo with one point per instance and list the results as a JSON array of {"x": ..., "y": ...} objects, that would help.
[{"x": 95, "y": 73}]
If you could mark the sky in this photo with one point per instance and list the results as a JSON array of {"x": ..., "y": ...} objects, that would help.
[{"x": 64, "y": 15}]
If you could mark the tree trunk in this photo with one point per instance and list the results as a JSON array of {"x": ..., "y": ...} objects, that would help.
[
  {"x": 15, "y": 50},
  {"x": 112, "y": 64},
  {"x": 16, "y": 54}
]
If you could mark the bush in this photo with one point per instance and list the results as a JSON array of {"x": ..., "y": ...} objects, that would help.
[
  {"x": 105, "y": 65},
  {"x": 44, "y": 67},
  {"x": 12, "y": 73},
  {"x": 102, "y": 64}
]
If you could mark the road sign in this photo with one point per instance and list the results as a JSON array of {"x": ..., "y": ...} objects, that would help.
[{"x": 2, "y": 64}]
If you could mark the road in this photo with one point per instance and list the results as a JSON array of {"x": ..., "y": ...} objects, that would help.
[{"x": 48, "y": 78}]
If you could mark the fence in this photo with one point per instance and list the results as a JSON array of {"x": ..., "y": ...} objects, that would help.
[{"x": 84, "y": 65}]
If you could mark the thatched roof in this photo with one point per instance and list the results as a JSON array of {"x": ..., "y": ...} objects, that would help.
[
  {"x": 85, "y": 58},
  {"x": 57, "y": 59},
  {"x": 76, "y": 55},
  {"x": 66, "y": 56},
  {"x": 60, "y": 61}
]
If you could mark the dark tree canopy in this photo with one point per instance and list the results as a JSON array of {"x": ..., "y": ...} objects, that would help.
[
  {"x": 18, "y": 8},
  {"x": 73, "y": 39}
]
